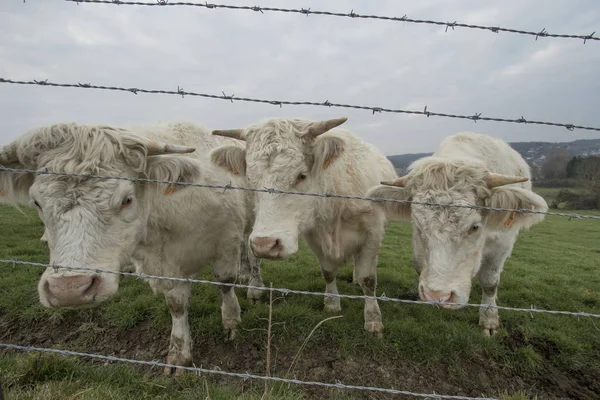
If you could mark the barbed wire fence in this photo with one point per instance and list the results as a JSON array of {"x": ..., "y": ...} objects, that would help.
[
  {"x": 286, "y": 291},
  {"x": 244, "y": 376},
  {"x": 474, "y": 117},
  {"x": 180, "y": 92},
  {"x": 229, "y": 186},
  {"x": 351, "y": 14}
]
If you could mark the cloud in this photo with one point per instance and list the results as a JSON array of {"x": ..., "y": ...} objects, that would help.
[
  {"x": 540, "y": 59},
  {"x": 305, "y": 58}
]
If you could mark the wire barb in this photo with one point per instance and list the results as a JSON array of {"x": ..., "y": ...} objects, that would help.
[
  {"x": 228, "y": 97},
  {"x": 590, "y": 36},
  {"x": 351, "y": 14},
  {"x": 542, "y": 33},
  {"x": 293, "y": 291},
  {"x": 180, "y": 92}
]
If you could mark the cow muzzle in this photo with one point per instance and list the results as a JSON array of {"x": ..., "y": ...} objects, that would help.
[
  {"x": 72, "y": 291},
  {"x": 442, "y": 296},
  {"x": 267, "y": 247}
]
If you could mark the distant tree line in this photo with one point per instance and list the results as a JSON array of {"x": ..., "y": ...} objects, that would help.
[{"x": 561, "y": 169}]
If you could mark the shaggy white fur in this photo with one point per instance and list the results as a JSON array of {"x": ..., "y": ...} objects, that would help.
[
  {"x": 286, "y": 154},
  {"x": 117, "y": 224},
  {"x": 452, "y": 245}
]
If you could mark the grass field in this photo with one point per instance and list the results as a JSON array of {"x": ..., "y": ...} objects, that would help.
[
  {"x": 425, "y": 349},
  {"x": 550, "y": 194}
]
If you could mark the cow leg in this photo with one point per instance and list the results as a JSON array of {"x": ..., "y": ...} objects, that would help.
[
  {"x": 225, "y": 270},
  {"x": 180, "y": 346},
  {"x": 250, "y": 273},
  {"x": 497, "y": 250},
  {"x": 330, "y": 271},
  {"x": 366, "y": 275}
]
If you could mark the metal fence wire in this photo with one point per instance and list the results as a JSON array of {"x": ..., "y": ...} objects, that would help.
[
  {"x": 287, "y": 291},
  {"x": 277, "y": 191},
  {"x": 351, "y": 14},
  {"x": 180, "y": 92},
  {"x": 245, "y": 376}
]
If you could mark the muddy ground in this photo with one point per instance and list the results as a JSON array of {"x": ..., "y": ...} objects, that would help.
[{"x": 319, "y": 363}]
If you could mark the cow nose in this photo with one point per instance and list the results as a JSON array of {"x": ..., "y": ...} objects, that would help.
[
  {"x": 266, "y": 247},
  {"x": 442, "y": 296},
  {"x": 67, "y": 291}
]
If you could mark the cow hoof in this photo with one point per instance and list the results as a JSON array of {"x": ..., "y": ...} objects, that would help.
[
  {"x": 229, "y": 334},
  {"x": 244, "y": 278},
  {"x": 490, "y": 325},
  {"x": 488, "y": 332},
  {"x": 255, "y": 295},
  {"x": 376, "y": 328},
  {"x": 175, "y": 358},
  {"x": 333, "y": 305},
  {"x": 230, "y": 329},
  {"x": 176, "y": 371},
  {"x": 256, "y": 302},
  {"x": 173, "y": 371},
  {"x": 333, "y": 308}
]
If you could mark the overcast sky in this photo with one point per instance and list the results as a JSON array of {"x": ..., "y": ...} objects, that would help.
[{"x": 315, "y": 58}]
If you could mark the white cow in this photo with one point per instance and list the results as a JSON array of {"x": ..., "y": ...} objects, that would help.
[
  {"x": 452, "y": 245},
  {"x": 120, "y": 225},
  {"x": 300, "y": 155}
]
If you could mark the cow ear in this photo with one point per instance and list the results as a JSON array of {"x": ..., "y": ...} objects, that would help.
[
  {"x": 173, "y": 169},
  {"x": 14, "y": 186},
  {"x": 326, "y": 150},
  {"x": 231, "y": 158},
  {"x": 396, "y": 211},
  {"x": 514, "y": 198}
]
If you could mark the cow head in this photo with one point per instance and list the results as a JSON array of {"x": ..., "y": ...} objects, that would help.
[
  {"x": 285, "y": 154},
  {"x": 88, "y": 222},
  {"x": 448, "y": 242}
]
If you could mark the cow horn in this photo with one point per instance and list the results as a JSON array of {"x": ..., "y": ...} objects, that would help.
[
  {"x": 156, "y": 148},
  {"x": 230, "y": 133},
  {"x": 400, "y": 182},
  {"x": 8, "y": 154},
  {"x": 320, "y": 127},
  {"x": 494, "y": 180}
]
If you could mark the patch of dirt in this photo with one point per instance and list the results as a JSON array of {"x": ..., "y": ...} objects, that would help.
[
  {"x": 474, "y": 377},
  {"x": 581, "y": 384}
]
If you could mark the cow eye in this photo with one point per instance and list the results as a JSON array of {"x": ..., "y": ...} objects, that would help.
[
  {"x": 126, "y": 202},
  {"x": 473, "y": 228},
  {"x": 301, "y": 178}
]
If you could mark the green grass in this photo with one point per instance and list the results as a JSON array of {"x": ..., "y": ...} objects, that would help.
[
  {"x": 554, "y": 266},
  {"x": 550, "y": 194},
  {"x": 53, "y": 377}
]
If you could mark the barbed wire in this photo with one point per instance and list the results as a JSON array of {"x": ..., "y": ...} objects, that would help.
[
  {"x": 286, "y": 291},
  {"x": 310, "y": 194},
  {"x": 243, "y": 376},
  {"x": 338, "y": 385},
  {"x": 180, "y": 92},
  {"x": 351, "y": 14}
]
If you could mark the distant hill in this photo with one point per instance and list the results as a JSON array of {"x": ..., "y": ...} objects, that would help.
[
  {"x": 534, "y": 152},
  {"x": 404, "y": 160}
]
